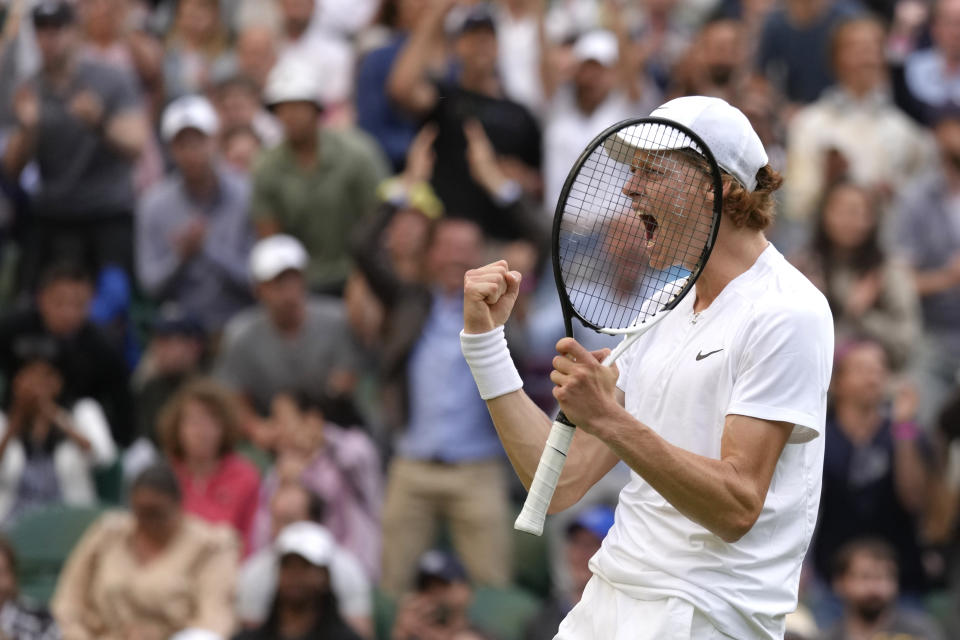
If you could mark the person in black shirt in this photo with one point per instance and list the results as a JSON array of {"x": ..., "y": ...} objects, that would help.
[
  {"x": 91, "y": 366},
  {"x": 83, "y": 124},
  {"x": 458, "y": 97},
  {"x": 875, "y": 477}
]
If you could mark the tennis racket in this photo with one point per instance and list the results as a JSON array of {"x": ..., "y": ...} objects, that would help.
[{"x": 636, "y": 221}]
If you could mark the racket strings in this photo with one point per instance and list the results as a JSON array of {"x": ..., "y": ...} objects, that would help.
[{"x": 632, "y": 232}]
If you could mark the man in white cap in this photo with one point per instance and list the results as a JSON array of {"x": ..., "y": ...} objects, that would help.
[
  {"x": 318, "y": 182},
  {"x": 192, "y": 231},
  {"x": 291, "y": 343},
  {"x": 717, "y": 410},
  {"x": 600, "y": 93}
]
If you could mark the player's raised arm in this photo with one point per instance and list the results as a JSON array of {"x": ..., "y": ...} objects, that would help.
[{"x": 489, "y": 295}]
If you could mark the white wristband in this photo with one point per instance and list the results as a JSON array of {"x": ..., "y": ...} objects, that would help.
[{"x": 491, "y": 364}]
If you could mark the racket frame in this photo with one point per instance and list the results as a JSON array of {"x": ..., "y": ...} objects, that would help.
[{"x": 547, "y": 475}]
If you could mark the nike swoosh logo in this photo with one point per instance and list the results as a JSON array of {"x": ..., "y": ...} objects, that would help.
[{"x": 701, "y": 356}]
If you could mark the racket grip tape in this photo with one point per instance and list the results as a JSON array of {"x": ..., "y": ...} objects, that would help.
[{"x": 545, "y": 480}]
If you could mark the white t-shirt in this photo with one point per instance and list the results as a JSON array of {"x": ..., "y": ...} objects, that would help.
[
  {"x": 763, "y": 348},
  {"x": 257, "y": 585}
]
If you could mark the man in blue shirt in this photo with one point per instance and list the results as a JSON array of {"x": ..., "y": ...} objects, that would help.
[
  {"x": 193, "y": 234},
  {"x": 448, "y": 462}
]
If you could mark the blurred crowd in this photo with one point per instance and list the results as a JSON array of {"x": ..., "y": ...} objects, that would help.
[{"x": 233, "y": 235}]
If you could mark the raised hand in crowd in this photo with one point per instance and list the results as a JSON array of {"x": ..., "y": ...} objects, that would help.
[
  {"x": 189, "y": 239},
  {"x": 88, "y": 107}
]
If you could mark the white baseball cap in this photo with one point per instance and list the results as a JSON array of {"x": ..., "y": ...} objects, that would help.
[
  {"x": 196, "y": 634},
  {"x": 309, "y": 540},
  {"x": 600, "y": 46},
  {"x": 189, "y": 112},
  {"x": 273, "y": 255},
  {"x": 726, "y": 131},
  {"x": 292, "y": 80}
]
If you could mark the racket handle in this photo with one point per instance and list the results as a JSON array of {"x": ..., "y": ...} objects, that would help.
[{"x": 545, "y": 480}]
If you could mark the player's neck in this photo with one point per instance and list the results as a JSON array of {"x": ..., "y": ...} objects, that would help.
[{"x": 735, "y": 252}]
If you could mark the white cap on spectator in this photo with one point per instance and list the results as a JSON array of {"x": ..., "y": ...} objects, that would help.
[
  {"x": 196, "y": 634},
  {"x": 599, "y": 46},
  {"x": 292, "y": 80},
  {"x": 727, "y": 132},
  {"x": 309, "y": 540},
  {"x": 273, "y": 255},
  {"x": 189, "y": 112}
]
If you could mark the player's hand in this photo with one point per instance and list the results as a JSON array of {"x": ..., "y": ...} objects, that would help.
[
  {"x": 489, "y": 294},
  {"x": 585, "y": 389}
]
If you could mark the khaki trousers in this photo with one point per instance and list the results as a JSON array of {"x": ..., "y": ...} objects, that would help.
[{"x": 472, "y": 499}]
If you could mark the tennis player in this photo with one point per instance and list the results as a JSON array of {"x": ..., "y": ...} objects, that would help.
[{"x": 718, "y": 410}]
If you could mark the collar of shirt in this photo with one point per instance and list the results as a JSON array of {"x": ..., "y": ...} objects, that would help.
[{"x": 843, "y": 101}]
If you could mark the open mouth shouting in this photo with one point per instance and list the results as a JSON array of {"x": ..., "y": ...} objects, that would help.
[{"x": 650, "y": 226}]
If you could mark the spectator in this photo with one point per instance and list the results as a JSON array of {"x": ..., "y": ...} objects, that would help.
[
  {"x": 942, "y": 528},
  {"x": 196, "y": 42},
  {"x": 111, "y": 37},
  {"x": 377, "y": 114},
  {"x": 174, "y": 355},
  {"x": 83, "y": 208},
  {"x": 292, "y": 503},
  {"x": 928, "y": 235},
  {"x": 238, "y": 102},
  {"x": 256, "y": 53},
  {"x": 865, "y": 578},
  {"x": 519, "y": 52},
  {"x": 150, "y": 572},
  {"x": 931, "y": 77},
  {"x": 856, "y": 123},
  {"x": 715, "y": 64},
  {"x": 193, "y": 234},
  {"x": 291, "y": 343},
  {"x": 660, "y": 38},
  {"x": 794, "y": 52},
  {"x": 315, "y": 185},
  {"x": 198, "y": 430},
  {"x": 584, "y": 536},
  {"x": 91, "y": 367},
  {"x": 341, "y": 466},
  {"x": 17, "y": 621},
  {"x": 305, "y": 607},
  {"x": 438, "y": 607},
  {"x": 448, "y": 462},
  {"x": 470, "y": 93},
  {"x": 871, "y": 295},
  {"x": 598, "y": 96},
  {"x": 875, "y": 476},
  {"x": 240, "y": 147},
  {"x": 48, "y": 448},
  {"x": 329, "y": 56}
]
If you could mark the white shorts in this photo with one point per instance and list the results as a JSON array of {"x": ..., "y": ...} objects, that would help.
[{"x": 604, "y": 613}]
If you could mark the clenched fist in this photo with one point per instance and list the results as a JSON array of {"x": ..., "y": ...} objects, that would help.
[{"x": 489, "y": 294}]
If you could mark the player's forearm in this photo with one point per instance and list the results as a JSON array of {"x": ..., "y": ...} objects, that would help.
[
  {"x": 709, "y": 492},
  {"x": 523, "y": 429}
]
